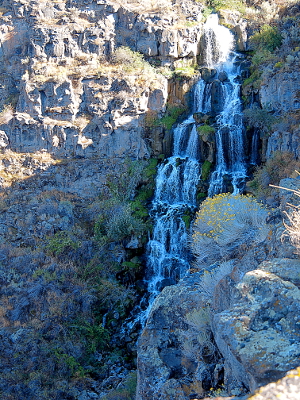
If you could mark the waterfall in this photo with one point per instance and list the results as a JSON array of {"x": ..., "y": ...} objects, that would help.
[
  {"x": 222, "y": 100},
  {"x": 175, "y": 196},
  {"x": 168, "y": 254}
]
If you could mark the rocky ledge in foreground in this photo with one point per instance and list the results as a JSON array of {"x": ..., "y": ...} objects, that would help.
[{"x": 192, "y": 347}]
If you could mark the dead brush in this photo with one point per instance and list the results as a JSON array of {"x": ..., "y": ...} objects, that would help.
[{"x": 292, "y": 227}]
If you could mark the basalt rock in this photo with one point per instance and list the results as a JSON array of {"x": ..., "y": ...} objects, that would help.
[
  {"x": 69, "y": 104},
  {"x": 176, "y": 356},
  {"x": 258, "y": 335}
]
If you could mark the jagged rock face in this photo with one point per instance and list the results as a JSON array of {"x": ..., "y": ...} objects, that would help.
[
  {"x": 287, "y": 388},
  {"x": 176, "y": 356},
  {"x": 71, "y": 100},
  {"x": 252, "y": 326},
  {"x": 281, "y": 91},
  {"x": 259, "y": 334}
]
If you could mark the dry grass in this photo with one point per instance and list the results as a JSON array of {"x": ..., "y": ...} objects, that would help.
[
  {"x": 6, "y": 115},
  {"x": 292, "y": 227},
  {"x": 150, "y": 6},
  {"x": 21, "y": 166}
]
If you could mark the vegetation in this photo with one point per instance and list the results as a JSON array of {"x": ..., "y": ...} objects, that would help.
[
  {"x": 218, "y": 5},
  {"x": 264, "y": 42},
  {"x": 123, "y": 209},
  {"x": 205, "y": 130},
  {"x": 280, "y": 165},
  {"x": 130, "y": 60},
  {"x": 81, "y": 282},
  {"x": 185, "y": 72},
  {"x": 225, "y": 222},
  {"x": 268, "y": 38},
  {"x": 260, "y": 118},
  {"x": 127, "y": 390},
  {"x": 205, "y": 170},
  {"x": 60, "y": 243},
  {"x": 172, "y": 114}
]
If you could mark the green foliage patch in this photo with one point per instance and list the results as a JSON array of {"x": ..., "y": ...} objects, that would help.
[
  {"x": 185, "y": 72},
  {"x": 60, "y": 242},
  {"x": 205, "y": 170},
  {"x": 172, "y": 114},
  {"x": 268, "y": 38},
  {"x": 205, "y": 129},
  {"x": 226, "y": 5}
]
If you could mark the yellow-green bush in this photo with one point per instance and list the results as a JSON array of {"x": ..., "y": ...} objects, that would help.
[{"x": 225, "y": 222}]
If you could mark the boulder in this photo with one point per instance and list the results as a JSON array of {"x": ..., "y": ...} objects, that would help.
[
  {"x": 259, "y": 334},
  {"x": 176, "y": 354}
]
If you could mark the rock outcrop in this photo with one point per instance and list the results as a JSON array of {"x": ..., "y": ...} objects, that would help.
[
  {"x": 287, "y": 388},
  {"x": 245, "y": 336},
  {"x": 70, "y": 99},
  {"x": 176, "y": 355},
  {"x": 258, "y": 335}
]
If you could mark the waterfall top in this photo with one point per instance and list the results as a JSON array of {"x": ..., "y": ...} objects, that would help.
[{"x": 219, "y": 42}]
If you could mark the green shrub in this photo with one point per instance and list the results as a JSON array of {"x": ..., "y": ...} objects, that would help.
[
  {"x": 254, "y": 79},
  {"x": 114, "y": 296},
  {"x": 205, "y": 170},
  {"x": 227, "y": 5},
  {"x": 268, "y": 38},
  {"x": 207, "y": 11},
  {"x": 205, "y": 129},
  {"x": 124, "y": 212},
  {"x": 75, "y": 368},
  {"x": 60, "y": 243},
  {"x": 171, "y": 116},
  {"x": 122, "y": 224},
  {"x": 185, "y": 72},
  {"x": 129, "y": 59},
  {"x": 262, "y": 57},
  {"x": 93, "y": 336},
  {"x": 201, "y": 196},
  {"x": 259, "y": 118}
]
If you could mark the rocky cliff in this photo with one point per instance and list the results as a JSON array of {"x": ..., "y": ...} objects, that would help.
[{"x": 72, "y": 97}]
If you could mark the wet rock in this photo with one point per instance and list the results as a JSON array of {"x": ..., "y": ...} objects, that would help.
[
  {"x": 208, "y": 74},
  {"x": 200, "y": 117},
  {"x": 217, "y": 97},
  {"x": 223, "y": 76}
]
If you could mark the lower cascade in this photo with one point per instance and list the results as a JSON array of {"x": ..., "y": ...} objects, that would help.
[{"x": 215, "y": 95}]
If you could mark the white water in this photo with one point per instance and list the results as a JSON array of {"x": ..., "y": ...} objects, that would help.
[
  {"x": 175, "y": 195},
  {"x": 167, "y": 252},
  {"x": 230, "y": 162}
]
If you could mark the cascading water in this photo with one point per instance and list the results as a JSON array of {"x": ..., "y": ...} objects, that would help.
[
  {"x": 167, "y": 253},
  {"x": 221, "y": 99},
  {"x": 168, "y": 256}
]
